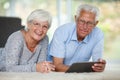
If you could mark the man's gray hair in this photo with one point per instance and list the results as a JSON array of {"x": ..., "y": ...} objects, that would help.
[
  {"x": 90, "y": 8},
  {"x": 41, "y": 15}
]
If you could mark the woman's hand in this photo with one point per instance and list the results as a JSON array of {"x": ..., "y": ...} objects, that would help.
[
  {"x": 99, "y": 67},
  {"x": 45, "y": 67}
]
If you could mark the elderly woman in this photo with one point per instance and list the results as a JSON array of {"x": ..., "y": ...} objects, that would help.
[{"x": 26, "y": 49}]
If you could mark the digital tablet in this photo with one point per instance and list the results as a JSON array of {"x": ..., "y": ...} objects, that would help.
[{"x": 81, "y": 67}]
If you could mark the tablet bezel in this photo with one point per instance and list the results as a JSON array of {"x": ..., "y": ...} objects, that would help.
[{"x": 81, "y": 67}]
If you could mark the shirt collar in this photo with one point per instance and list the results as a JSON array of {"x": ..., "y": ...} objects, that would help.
[
  {"x": 74, "y": 35},
  {"x": 86, "y": 39}
]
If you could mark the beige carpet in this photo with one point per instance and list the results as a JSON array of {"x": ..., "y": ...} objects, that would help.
[{"x": 112, "y": 72}]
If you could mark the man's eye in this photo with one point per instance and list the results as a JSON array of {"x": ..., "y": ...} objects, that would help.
[
  {"x": 81, "y": 21},
  {"x": 45, "y": 27},
  {"x": 90, "y": 23}
]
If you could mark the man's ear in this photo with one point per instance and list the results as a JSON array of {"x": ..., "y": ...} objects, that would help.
[
  {"x": 75, "y": 18},
  {"x": 96, "y": 23}
]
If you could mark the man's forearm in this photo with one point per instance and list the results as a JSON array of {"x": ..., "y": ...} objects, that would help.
[{"x": 61, "y": 68}]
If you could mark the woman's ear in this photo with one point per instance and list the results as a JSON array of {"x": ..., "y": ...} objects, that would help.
[{"x": 28, "y": 26}]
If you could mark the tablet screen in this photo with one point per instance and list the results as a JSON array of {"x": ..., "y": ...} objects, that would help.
[{"x": 81, "y": 67}]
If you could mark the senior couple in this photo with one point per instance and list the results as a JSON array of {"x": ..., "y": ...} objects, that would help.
[{"x": 26, "y": 50}]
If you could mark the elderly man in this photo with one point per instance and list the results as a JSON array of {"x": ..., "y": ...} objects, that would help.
[{"x": 79, "y": 41}]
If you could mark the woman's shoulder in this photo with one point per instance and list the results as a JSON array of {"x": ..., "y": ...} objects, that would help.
[
  {"x": 45, "y": 40},
  {"x": 17, "y": 34},
  {"x": 15, "y": 40}
]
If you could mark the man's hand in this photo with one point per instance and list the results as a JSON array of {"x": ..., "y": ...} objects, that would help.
[{"x": 99, "y": 67}]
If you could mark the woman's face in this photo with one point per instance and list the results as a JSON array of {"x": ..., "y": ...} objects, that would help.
[{"x": 38, "y": 29}]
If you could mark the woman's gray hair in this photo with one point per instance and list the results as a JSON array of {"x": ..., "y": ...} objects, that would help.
[
  {"x": 41, "y": 15},
  {"x": 89, "y": 8}
]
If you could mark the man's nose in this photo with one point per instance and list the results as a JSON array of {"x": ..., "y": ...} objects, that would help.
[{"x": 85, "y": 25}]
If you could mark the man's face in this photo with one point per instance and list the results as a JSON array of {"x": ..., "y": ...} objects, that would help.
[{"x": 85, "y": 23}]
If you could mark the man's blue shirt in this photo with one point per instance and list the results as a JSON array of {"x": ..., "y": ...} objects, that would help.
[{"x": 65, "y": 45}]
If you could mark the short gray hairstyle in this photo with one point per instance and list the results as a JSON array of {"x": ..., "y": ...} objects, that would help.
[
  {"x": 40, "y": 15},
  {"x": 89, "y": 8}
]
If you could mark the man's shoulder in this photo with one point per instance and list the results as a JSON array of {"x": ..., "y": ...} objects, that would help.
[
  {"x": 65, "y": 30},
  {"x": 97, "y": 32},
  {"x": 66, "y": 27}
]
